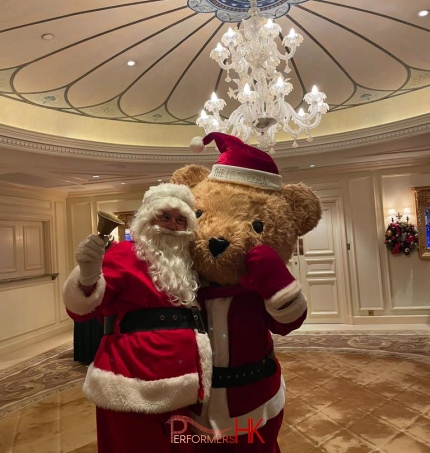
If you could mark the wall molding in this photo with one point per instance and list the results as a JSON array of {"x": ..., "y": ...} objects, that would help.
[{"x": 15, "y": 138}]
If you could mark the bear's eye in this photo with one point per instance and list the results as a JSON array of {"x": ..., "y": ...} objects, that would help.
[
  {"x": 258, "y": 226},
  {"x": 199, "y": 213}
]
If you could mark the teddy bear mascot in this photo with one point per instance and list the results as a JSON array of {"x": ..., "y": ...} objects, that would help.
[
  {"x": 249, "y": 223},
  {"x": 154, "y": 359}
]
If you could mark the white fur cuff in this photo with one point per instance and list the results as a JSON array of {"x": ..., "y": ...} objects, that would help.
[
  {"x": 284, "y": 295},
  {"x": 75, "y": 300},
  {"x": 290, "y": 313}
]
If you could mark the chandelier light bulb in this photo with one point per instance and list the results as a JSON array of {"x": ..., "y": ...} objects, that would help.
[
  {"x": 203, "y": 115},
  {"x": 251, "y": 51}
]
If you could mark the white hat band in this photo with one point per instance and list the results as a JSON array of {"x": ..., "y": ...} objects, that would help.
[{"x": 246, "y": 176}]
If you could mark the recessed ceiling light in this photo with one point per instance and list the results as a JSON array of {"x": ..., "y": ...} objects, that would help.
[
  {"x": 123, "y": 183},
  {"x": 131, "y": 63},
  {"x": 423, "y": 13},
  {"x": 159, "y": 180},
  {"x": 312, "y": 165},
  {"x": 48, "y": 36},
  {"x": 96, "y": 176}
]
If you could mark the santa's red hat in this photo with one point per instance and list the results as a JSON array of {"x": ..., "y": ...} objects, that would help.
[{"x": 240, "y": 163}]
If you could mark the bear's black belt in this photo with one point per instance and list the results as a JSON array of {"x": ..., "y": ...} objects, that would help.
[
  {"x": 156, "y": 319},
  {"x": 226, "y": 377}
]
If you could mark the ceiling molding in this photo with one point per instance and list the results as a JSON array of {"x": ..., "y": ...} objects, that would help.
[{"x": 14, "y": 138}]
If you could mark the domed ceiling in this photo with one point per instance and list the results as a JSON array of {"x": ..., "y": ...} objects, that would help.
[{"x": 65, "y": 71}]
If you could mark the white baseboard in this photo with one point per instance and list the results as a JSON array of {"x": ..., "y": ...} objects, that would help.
[{"x": 31, "y": 338}]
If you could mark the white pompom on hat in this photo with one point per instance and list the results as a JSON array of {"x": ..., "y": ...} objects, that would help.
[{"x": 197, "y": 145}]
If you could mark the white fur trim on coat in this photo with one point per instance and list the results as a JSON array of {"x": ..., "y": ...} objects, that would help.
[
  {"x": 284, "y": 295},
  {"x": 119, "y": 393},
  {"x": 205, "y": 354},
  {"x": 290, "y": 313},
  {"x": 219, "y": 418},
  {"x": 74, "y": 298}
]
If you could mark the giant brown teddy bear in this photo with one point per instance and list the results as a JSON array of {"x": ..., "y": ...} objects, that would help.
[{"x": 249, "y": 223}]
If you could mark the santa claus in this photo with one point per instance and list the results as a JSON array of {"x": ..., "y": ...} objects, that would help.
[{"x": 154, "y": 359}]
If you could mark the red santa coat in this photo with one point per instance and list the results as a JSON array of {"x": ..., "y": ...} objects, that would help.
[
  {"x": 240, "y": 322},
  {"x": 150, "y": 371}
]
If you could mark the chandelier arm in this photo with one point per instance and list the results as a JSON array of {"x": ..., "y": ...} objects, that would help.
[{"x": 251, "y": 51}]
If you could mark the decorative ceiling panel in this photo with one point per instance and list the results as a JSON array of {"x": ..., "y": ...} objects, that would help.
[{"x": 356, "y": 51}]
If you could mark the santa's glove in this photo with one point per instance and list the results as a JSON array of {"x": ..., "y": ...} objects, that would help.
[
  {"x": 268, "y": 276},
  {"x": 89, "y": 256}
]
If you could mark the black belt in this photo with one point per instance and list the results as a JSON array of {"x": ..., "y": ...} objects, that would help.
[
  {"x": 156, "y": 319},
  {"x": 226, "y": 377}
]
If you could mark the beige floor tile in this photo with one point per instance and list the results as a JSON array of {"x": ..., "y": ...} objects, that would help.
[
  {"x": 339, "y": 386},
  {"x": 422, "y": 385},
  {"x": 318, "y": 427},
  {"x": 86, "y": 416},
  {"x": 343, "y": 413},
  {"x": 401, "y": 378},
  {"x": 78, "y": 437},
  {"x": 355, "y": 359},
  {"x": 378, "y": 367},
  {"x": 395, "y": 414},
  {"x": 384, "y": 387},
  {"x": 413, "y": 400},
  {"x": 415, "y": 368},
  {"x": 46, "y": 408},
  {"x": 294, "y": 441},
  {"x": 364, "y": 399},
  {"x": 296, "y": 410},
  {"x": 89, "y": 448},
  {"x": 40, "y": 431},
  {"x": 358, "y": 377},
  {"x": 373, "y": 430},
  {"x": 7, "y": 432},
  {"x": 345, "y": 442},
  {"x": 318, "y": 398},
  {"x": 72, "y": 394},
  {"x": 43, "y": 445},
  {"x": 420, "y": 429},
  {"x": 403, "y": 443},
  {"x": 298, "y": 385},
  {"x": 336, "y": 368}
]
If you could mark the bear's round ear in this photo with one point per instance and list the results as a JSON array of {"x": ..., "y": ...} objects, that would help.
[
  {"x": 190, "y": 175},
  {"x": 305, "y": 206}
]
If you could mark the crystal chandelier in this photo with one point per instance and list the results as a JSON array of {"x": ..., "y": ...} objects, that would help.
[{"x": 251, "y": 51}]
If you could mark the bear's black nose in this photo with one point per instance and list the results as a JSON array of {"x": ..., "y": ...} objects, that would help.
[{"x": 217, "y": 246}]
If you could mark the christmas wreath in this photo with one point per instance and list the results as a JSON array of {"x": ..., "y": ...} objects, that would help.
[{"x": 401, "y": 237}]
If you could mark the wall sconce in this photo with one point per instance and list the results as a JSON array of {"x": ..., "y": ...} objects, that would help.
[{"x": 392, "y": 212}]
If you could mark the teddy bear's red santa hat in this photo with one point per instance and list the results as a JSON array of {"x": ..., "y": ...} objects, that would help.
[{"x": 240, "y": 163}]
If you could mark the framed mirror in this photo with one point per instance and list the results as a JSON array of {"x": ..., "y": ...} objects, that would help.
[{"x": 422, "y": 205}]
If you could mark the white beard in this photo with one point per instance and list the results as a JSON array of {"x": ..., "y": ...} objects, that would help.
[{"x": 169, "y": 262}]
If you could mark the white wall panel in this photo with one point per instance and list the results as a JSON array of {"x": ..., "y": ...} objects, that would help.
[
  {"x": 25, "y": 309},
  {"x": 366, "y": 245},
  {"x": 8, "y": 257}
]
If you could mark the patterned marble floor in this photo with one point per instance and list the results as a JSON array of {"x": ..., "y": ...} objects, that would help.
[{"x": 348, "y": 392}]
